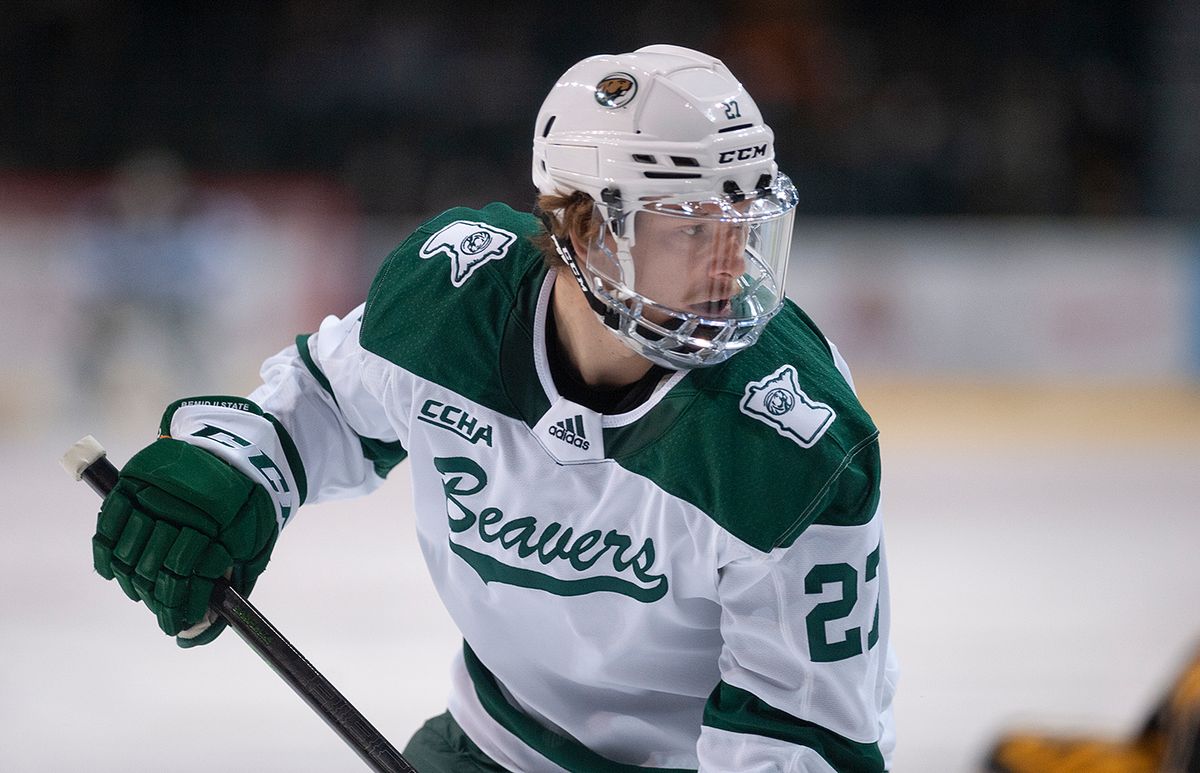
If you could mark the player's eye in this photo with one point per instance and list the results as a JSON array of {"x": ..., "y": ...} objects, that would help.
[{"x": 694, "y": 229}]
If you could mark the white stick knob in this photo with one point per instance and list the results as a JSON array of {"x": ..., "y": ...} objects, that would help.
[{"x": 81, "y": 456}]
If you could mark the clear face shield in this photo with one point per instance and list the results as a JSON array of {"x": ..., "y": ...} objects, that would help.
[{"x": 691, "y": 282}]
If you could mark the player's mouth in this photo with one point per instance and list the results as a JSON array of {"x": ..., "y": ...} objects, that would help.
[{"x": 718, "y": 307}]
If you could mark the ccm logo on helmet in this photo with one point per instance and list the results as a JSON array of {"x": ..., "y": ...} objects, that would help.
[{"x": 742, "y": 154}]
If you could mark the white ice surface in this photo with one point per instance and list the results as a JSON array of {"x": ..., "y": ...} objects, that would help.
[{"x": 1044, "y": 585}]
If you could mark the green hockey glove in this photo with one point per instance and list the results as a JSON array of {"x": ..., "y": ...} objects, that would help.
[{"x": 178, "y": 519}]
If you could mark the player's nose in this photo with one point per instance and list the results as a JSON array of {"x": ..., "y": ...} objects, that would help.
[{"x": 729, "y": 252}]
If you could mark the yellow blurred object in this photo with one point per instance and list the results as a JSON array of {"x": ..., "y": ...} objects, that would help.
[
  {"x": 1181, "y": 722},
  {"x": 1168, "y": 743},
  {"x": 1029, "y": 753}
]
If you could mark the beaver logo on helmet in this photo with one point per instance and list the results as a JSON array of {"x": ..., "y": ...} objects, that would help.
[{"x": 616, "y": 89}]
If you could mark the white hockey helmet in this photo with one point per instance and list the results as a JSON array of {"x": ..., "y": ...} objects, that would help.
[{"x": 690, "y": 264}]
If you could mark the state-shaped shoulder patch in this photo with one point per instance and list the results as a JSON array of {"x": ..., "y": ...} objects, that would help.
[
  {"x": 778, "y": 401},
  {"x": 469, "y": 244}
]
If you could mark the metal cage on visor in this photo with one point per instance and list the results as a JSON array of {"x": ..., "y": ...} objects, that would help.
[{"x": 688, "y": 281}]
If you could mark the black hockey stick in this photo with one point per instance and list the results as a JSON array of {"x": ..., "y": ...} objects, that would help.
[{"x": 87, "y": 461}]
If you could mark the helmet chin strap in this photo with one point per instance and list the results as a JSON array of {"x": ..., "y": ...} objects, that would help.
[{"x": 567, "y": 253}]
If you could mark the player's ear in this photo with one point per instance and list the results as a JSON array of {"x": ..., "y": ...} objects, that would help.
[{"x": 579, "y": 245}]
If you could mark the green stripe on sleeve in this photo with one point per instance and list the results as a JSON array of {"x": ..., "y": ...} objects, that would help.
[
  {"x": 293, "y": 457},
  {"x": 383, "y": 454},
  {"x": 306, "y": 357},
  {"x": 738, "y": 711}
]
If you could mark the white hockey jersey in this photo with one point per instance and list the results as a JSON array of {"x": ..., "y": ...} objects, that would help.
[{"x": 698, "y": 583}]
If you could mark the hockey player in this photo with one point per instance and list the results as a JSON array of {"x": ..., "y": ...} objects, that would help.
[{"x": 660, "y": 556}]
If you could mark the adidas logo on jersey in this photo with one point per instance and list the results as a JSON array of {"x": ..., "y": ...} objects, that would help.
[{"x": 570, "y": 431}]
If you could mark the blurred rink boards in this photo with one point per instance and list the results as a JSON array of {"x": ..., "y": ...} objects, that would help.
[{"x": 1035, "y": 384}]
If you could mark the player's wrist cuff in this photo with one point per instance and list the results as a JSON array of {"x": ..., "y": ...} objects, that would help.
[{"x": 237, "y": 431}]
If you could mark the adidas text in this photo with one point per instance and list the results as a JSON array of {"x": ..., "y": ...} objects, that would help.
[{"x": 570, "y": 431}]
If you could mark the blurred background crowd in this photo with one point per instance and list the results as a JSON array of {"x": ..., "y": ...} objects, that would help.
[
  {"x": 145, "y": 145},
  {"x": 1064, "y": 108}
]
